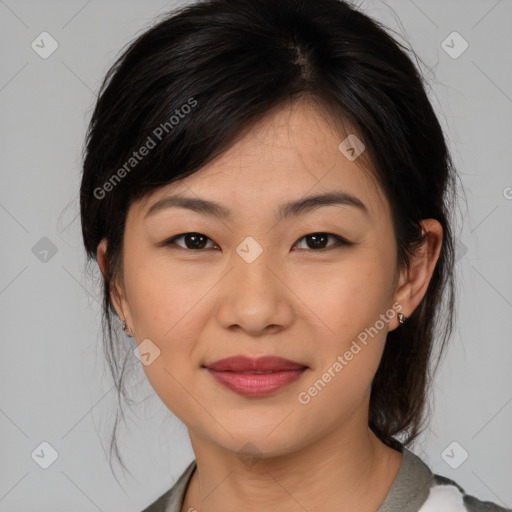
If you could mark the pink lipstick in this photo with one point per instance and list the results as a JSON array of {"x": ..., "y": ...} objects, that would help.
[{"x": 255, "y": 376}]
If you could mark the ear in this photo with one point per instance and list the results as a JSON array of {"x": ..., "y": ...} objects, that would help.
[
  {"x": 413, "y": 282},
  {"x": 117, "y": 294}
]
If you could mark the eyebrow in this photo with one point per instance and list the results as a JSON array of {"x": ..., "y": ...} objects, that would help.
[{"x": 286, "y": 210}]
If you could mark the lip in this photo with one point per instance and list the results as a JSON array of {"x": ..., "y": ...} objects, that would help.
[
  {"x": 242, "y": 363},
  {"x": 230, "y": 373}
]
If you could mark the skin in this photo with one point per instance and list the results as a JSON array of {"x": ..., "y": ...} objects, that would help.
[{"x": 304, "y": 304}]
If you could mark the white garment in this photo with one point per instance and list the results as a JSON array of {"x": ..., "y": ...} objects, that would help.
[{"x": 444, "y": 498}]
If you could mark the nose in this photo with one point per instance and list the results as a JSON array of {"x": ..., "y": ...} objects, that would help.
[{"x": 254, "y": 297}]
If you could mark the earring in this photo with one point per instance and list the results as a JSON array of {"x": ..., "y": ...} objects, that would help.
[
  {"x": 401, "y": 318},
  {"x": 124, "y": 326}
]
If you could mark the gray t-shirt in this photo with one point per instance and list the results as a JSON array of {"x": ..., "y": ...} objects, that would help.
[{"x": 415, "y": 489}]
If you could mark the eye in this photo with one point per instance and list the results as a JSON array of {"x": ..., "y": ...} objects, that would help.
[
  {"x": 317, "y": 240},
  {"x": 198, "y": 241},
  {"x": 192, "y": 240}
]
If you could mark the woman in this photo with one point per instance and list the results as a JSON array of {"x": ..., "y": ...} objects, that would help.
[{"x": 268, "y": 194}]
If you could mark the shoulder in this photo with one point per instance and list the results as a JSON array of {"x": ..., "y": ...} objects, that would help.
[
  {"x": 447, "y": 495},
  {"x": 159, "y": 505},
  {"x": 417, "y": 489},
  {"x": 172, "y": 500}
]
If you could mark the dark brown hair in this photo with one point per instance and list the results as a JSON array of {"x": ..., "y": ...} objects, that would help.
[{"x": 231, "y": 62}]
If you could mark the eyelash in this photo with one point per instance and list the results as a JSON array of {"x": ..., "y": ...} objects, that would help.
[{"x": 340, "y": 241}]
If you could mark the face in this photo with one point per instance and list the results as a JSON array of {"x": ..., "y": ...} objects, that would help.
[{"x": 314, "y": 285}]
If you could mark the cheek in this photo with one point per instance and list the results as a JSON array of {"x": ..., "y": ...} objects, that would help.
[
  {"x": 168, "y": 304},
  {"x": 166, "y": 308},
  {"x": 162, "y": 295},
  {"x": 349, "y": 350},
  {"x": 344, "y": 299},
  {"x": 348, "y": 302}
]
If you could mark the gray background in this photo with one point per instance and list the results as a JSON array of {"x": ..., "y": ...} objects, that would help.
[{"x": 54, "y": 385}]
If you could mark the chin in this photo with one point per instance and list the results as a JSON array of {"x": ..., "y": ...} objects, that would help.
[{"x": 251, "y": 444}]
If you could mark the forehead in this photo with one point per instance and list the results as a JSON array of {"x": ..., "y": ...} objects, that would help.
[{"x": 291, "y": 152}]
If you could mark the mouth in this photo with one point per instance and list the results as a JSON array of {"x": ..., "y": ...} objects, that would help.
[
  {"x": 255, "y": 377},
  {"x": 263, "y": 364}
]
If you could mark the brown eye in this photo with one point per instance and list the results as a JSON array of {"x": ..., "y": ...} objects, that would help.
[
  {"x": 194, "y": 241},
  {"x": 318, "y": 241},
  {"x": 198, "y": 241}
]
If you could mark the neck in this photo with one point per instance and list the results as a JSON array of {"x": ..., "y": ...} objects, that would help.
[{"x": 339, "y": 472}]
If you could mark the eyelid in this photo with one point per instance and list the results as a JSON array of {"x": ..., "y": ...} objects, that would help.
[
  {"x": 171, "y": 241},
  {"x": 339, "y": 239}
]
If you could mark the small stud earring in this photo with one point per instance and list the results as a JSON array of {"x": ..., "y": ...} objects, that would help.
[
  {"x": 401, "y": 318},
  {"x": 124, "y": 326}
]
